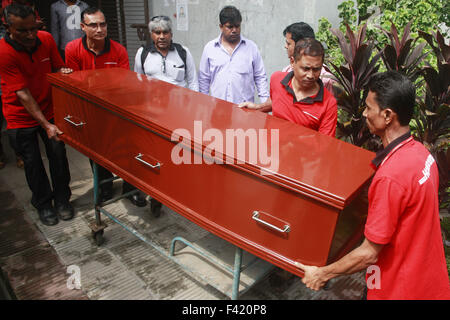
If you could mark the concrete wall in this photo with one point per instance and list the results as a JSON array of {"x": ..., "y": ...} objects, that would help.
[{"x": 263, "y": 22}]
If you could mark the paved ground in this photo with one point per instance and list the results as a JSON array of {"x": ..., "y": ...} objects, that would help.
[{"x": 35, "y": 259}]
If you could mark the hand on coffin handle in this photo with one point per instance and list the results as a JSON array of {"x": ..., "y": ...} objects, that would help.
[{"x": 53, "y": 131}]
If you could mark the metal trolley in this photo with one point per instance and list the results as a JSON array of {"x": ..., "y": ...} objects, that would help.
[{"x": 98, "y": 227}]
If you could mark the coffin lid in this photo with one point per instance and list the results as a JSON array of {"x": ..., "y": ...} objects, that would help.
[{"x": 318, "y": 166}]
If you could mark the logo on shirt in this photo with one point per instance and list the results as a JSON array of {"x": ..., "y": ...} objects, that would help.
[
  {"x": 74, "y": 20},
  {"x": 236, "y": 146},
  {"x": 426, "y": 170}
]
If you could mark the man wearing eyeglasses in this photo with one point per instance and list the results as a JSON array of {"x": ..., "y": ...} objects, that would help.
[
  {"x": 231, "y": 65},
  {"x": 96, "y": 51},
  {"x": 165, "y": 60},
  {"x": 27, "y": 55}
]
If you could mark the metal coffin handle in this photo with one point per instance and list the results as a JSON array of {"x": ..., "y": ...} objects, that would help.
[
  {"x": 255, "y": 217},
  {"x": 68, "y": 117},
  {"x": 153, "y": 166}
]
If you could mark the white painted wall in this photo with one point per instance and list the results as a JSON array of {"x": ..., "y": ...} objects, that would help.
[{"x": 263, "y": 22}]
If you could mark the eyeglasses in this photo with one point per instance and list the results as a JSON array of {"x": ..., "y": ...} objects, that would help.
[
  {"x": 160, "y": 18},
  {"x": 100, "y": 25}
]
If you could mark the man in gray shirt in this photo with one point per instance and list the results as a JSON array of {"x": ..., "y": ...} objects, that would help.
[{"x": 65, "y": 22}]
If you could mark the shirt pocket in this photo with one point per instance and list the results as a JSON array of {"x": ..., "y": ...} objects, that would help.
[{"x": 178, "y": 72}]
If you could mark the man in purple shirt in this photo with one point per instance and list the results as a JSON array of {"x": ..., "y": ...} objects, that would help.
[{"x": 231, "y": 65}]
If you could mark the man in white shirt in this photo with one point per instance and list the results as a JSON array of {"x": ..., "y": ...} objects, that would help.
[{"x": 164, "y": 59}]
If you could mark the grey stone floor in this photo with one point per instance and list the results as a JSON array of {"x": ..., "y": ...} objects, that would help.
[{"x": 125, "y": 267}]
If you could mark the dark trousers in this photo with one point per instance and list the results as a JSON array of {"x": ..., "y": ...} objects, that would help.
[
  {"x": 103, "y": 174},
  {"x": 1, "y": 125},
  {"x": 25, "y": 143}
]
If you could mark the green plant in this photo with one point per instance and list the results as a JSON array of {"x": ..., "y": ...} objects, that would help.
[
  {"x": 432, "y": 119},
  {"x": 445, "y": 224},
  {"x": 423, "y": 14},
  {"x": 401, "y": 55},
  {"x": 352, "y": 77},
  {"x": 324, "y": 35}
]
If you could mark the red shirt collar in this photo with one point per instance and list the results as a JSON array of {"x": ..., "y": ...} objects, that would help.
[
  {"x": 385, "y": 153},
  {"x": 308, "y": 100},
  {"x": 18, "y": 47},
  {"x": 106, "y": 49}
]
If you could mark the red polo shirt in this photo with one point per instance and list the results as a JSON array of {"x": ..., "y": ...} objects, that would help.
[
  {"x": 404, "y": 217},
  {"x": 20, "y": 69},
  {"x": 79, "y": 57},
  {"x": 317, "y": 112}
]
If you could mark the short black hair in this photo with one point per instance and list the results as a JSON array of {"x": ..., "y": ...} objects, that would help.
[
  {"x": 309, "y": 47},
  {"x": 299, "y": 30},
  {"x": 89, "y": 11},
  {"x": 18, "y": 10},
  {"x": 230, "y": 14},
  {"x": 395, "y": 91}
]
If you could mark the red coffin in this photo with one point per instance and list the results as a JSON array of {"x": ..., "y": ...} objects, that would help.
[{"x": 290, "y": 195}]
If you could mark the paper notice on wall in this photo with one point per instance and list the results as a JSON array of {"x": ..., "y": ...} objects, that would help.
[{"x": 182, "y": 15}]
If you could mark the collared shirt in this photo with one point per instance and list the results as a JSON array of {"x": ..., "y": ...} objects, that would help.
[
  {"x": 79, "y": 57},
  {"x": 317, "y": 112},
  {"x": 383, "y": 154},
  {"x": 170, "y": 68},
  {"x": 65, "y": 22},
  {"x": 20, "y": 69},
  {"x": 2, "y": 34},
  {"x": 325, "y": 76},
  {"x": 403, "y": 216},
  {"x": 233, "y": 77}
]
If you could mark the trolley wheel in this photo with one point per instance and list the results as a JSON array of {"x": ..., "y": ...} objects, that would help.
[
  {"x": 155, "y": 208},
  {"x": 98, "y": 237}
]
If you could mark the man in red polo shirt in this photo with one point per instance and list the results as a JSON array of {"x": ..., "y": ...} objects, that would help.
[
  {"x": 403, "y": 248},
  {"x": 96, "y": 51},
  {"x": 27, "y": 55},
  {"x": 299, "y": 96}
]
